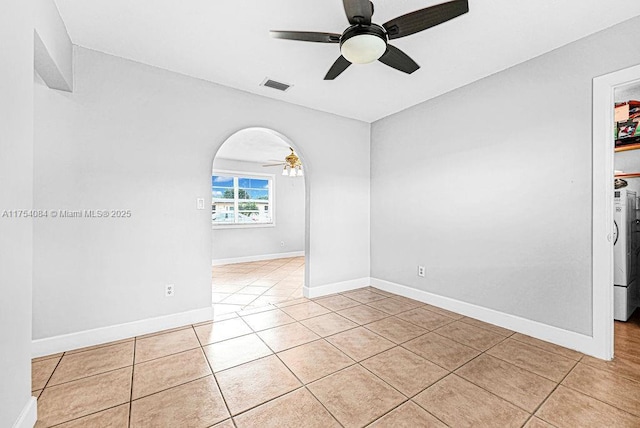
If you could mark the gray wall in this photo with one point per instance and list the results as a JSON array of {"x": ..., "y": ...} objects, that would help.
[
  {"x": 16, "y": 192},
  {"x": 489, "y": 186},
  {"x": 257, "y": 241},
  {"x": 137, "y": 137}
]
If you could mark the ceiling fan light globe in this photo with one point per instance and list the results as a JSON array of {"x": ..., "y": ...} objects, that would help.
[{"x": 363, "y": 48}]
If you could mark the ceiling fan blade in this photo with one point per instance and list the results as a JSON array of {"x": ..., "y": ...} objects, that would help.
[
  {"x": 358, "y": 11},
  {"x": 275, "y": 164},
  {"x": 399, "y": 60},
  {"x": 306, "y": 36},
  {"x": 422, "y": 19},
  {"x": 338, "y": 67}
]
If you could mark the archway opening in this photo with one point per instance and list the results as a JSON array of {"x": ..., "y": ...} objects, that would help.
[{"x": 258, "y": 222}]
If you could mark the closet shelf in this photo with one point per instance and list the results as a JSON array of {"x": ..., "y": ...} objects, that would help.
[
  {"x": 628, "y": 175},
  {"x": 627, "y": 147}
]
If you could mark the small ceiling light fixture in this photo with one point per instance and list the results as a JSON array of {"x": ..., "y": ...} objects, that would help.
[
  {"x": 362, "y": 45},
  {"x": 292, "y": 165}
]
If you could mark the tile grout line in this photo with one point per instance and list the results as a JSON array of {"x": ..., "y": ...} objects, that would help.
[
  {"x": 88, "y": 414},
  {"x": 133, "y": 368},
  {"x": 507, "y": 362},
  {"x": 524, "y": 368},
  {"x": 546, "y": 350},
  {"x": 215, "y": 379},
  {"x": 595, "y": 398},
  {"x": 410, "y": 400},
  {"x": 170, "y": 355},
  {"x": 303, "y": 384},
  {"x": 99, "y": 346},
  {"x": 610, "y": 371},
  {"x": 550, "y": 394},
  {"x": 88, "y": 376},
  {"x": 359, "y": 363},
  {"x": 117, "y": 368},
  {"x": 52, "y": 372},
  {"x": 171, "y": 387}
]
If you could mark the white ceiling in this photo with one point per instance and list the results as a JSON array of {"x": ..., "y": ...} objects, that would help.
[
  {"x": 254, "y": 145},
  {"x": 227, "y": 42}
]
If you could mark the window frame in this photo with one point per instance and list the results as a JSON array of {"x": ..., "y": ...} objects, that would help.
[{"x": 236, "y": 176}]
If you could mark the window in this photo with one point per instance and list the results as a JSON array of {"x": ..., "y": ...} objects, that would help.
[{"x": 241, "y": 199}]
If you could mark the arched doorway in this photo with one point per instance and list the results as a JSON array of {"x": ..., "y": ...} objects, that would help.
[{"x": 258, "y": 221}]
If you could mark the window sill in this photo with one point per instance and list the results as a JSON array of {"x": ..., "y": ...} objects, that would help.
[{"x": 241, "y": 226}]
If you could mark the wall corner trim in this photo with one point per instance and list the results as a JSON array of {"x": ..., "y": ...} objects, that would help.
[
  {"x": 29, "y": 414},
  {"x": 101, "y": 335},
  {"x": 247, "y": 259},
  {"x": 335, "y": 287},
  {"x": 558, "y": 336}
]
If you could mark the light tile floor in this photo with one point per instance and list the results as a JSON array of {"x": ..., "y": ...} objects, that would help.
[
  {"x": 361, "y": 358},
  {"x": 250, "y": 285}
]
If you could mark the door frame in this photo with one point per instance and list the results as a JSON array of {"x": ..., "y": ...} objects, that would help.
[{"x": 602, "y": 205}]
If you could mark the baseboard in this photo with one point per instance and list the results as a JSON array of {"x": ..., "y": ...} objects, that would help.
[
  {"x": 29, "y": 414},
  {"x": 97, "y": 336},
  {"x": 258, "y": 258},
  {"x": 336, "y": 287},
  {"x": 568, "y": 339}
]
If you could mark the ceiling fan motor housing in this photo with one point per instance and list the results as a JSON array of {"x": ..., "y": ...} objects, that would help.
[{"x": 362, "y": 44}]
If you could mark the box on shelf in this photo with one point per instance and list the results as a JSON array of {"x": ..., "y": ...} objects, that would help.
[{"x": 627, "y": 117}]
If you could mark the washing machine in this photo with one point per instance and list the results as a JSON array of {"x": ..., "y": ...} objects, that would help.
[{"x": 625, "y": 246}]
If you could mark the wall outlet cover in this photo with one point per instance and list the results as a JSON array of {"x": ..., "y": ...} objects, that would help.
[{"x": 169, "y": 290}]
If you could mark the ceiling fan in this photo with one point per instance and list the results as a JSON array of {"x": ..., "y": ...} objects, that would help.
[
  {"x": 292, "y": 165},
  {"x": 364, "y": 42}
]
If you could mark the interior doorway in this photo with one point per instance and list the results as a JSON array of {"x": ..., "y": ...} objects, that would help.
[
  {"x": 626, "y": 242},
  {"x": 603, "y": 231},
  {"x": 258, "y": 222}
]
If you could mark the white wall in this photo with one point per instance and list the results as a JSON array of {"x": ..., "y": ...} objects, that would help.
[
  {"x": 16, "y": 185},
  {"x": 229, "y": 243},
  {"x": 489, "y": 186},
  {"x": 136, "y": 137}
]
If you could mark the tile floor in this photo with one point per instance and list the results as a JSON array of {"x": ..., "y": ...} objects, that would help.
[
  {"x": 360, "y": 358},
  {"x": 248, "y": 285}
]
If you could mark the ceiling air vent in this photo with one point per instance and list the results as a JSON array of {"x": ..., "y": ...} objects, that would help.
[{"x": 275, "y": 85}]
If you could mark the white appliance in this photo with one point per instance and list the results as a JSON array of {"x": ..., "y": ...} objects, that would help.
[{"x": 625, "y": 244}]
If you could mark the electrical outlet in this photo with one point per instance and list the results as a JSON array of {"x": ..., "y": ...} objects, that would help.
[
  {"x": 421, "y": 271},
  {"x": 200, "y": 203},
  {"x": 282, "y": 243},
  {"x": 169, "y": 290}
]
